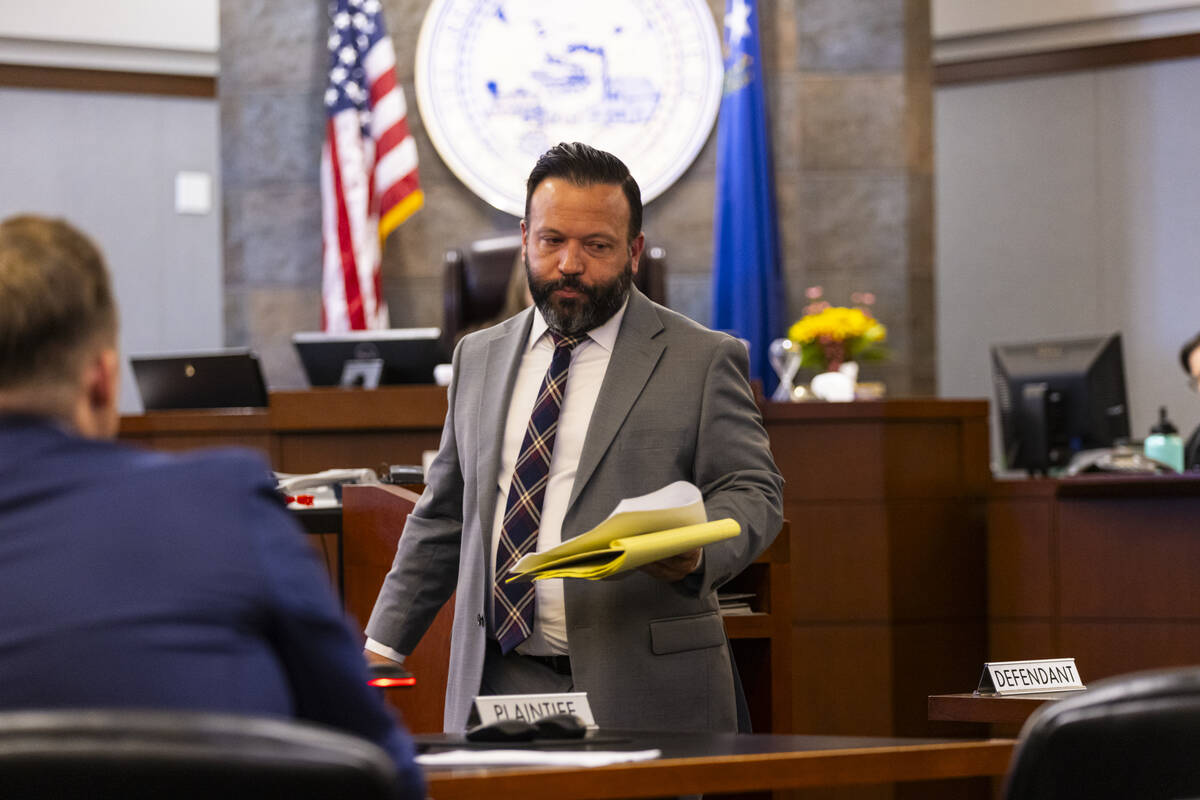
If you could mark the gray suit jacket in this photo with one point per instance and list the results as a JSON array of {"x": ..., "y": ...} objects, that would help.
[{"x": 675, "y": 405}]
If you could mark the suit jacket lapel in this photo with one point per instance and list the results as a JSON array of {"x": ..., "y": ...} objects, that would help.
[
  {"x": 633, "y": 360},
  {"x": 500, "y": 373}
]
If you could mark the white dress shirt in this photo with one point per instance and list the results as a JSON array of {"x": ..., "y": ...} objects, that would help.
[{"x": 589, "y": 363}]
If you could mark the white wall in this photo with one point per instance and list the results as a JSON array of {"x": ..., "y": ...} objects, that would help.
[
  {"x": 107, "y": 163},
  {"x": 1069, "y": 205},
  {"x": 970, "y": 29},
  {"x": 175, "y": 36}
]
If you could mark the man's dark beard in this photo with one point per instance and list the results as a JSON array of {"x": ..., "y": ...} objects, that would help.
[{"x": 574, "y": 316}]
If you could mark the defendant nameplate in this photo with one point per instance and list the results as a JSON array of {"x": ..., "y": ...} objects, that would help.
[{"x": 1027, "y": 677}]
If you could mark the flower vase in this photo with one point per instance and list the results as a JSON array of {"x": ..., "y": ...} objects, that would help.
[
  {"x": 784, "y": 356},
  {"x": 838, "y": 386}
]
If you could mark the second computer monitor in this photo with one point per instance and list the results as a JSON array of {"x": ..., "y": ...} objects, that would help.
[
  {"x": 398, "y": 355},
  {"x": 1058, "y": 397}
]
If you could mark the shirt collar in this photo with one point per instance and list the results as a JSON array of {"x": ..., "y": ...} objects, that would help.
[{"x": 604, "y": 335}]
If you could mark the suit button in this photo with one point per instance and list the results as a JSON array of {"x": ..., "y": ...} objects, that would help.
[{"x": 479, "y": 619}]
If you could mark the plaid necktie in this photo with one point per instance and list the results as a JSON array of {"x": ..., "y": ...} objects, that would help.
[{"x": 513, "y": 602}]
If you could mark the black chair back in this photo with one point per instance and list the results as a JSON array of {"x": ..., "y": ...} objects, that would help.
[
  {"x": 1135, "y": 737},
  {"x": 78, "y": 754},
  {"x": 475, "y": 281}
]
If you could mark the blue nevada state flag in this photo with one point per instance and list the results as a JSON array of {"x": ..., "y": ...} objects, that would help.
[{"x": 747, "y": 290}]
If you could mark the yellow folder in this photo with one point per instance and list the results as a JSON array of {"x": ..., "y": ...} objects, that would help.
[{"x": 626, "y": 553}]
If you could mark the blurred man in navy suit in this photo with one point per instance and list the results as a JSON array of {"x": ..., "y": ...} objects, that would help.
[{"x": 139, "y": 579}]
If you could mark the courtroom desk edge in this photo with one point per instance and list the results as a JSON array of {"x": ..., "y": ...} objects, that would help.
[
  {"x": 1099, "y": 486},
  {"x": 888, "y": 408},
  {"x": 994, "y": 709},
  {"x": 722, "y": 763},
  {"x": 417, "y": 406}
]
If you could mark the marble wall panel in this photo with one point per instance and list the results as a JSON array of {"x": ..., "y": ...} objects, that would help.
[
  {"x": 264, "y": 318},
  {"x": 853, "y": 122},
  {"x": 270, "y": 136},
  {"x": 849, "y": 97},
  {"x": 266, "y": 45},
  {"x": 273, "y": 236},
  {"x": 855, "y": 222},
  {"x": 681, "y": 221},
  {"x": 691, "y": 295},
  {"x": 850, "y": 35}
]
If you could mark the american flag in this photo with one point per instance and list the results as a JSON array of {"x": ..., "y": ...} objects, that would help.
[{"x": 369, "y": 181}]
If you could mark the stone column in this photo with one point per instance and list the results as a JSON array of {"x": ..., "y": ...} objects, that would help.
[{"x": 851, "y": 101}]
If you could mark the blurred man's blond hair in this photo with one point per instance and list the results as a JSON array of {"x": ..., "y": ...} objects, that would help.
[{"x": 56, "y": 315}]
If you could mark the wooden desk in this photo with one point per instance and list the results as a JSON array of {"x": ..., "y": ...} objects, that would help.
[
  {"x": 714, "y": 764},
  {"x": 1099, "y": 568},
  {"x": 1008, "y": 710}
]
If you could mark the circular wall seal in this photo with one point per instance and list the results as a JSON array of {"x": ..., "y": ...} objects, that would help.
[{"x": 499, "y": 83}]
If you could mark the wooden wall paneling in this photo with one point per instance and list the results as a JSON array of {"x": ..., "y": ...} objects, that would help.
[
  {"x": 887, "y": 501},
  {"x": 1107, "y": 648},
  {"x": 40, "y": 76},
  {"x": 325, "y": 428},
  {"x": 842, "y": 678},
  {"x": 936, "y": 560},
  {"x": 305, "y": 451},
  {"x": 1020, "y": 556},
  {"x": 1100, "y": 569},
  {"x": 934, "y": 657},
  {"x": 388, "y": 407},
  {"x": 922, "y": 458},
  {"x": 1123, "y": 558},
  {"x": 840, "y": 562},
  {"x": 1070, "y": 59},
  {"x": 818, "y": 459},
  {"x": 372, "y": 521},
  {"x": 263, "y": 443},
  {"x": 975, "y": 460},
  {"x": 1018, "y": 639}
]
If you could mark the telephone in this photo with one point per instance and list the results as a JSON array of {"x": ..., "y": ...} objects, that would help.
[
  {"x": 320, "y": 489},
  {"x": 1118, "y": 460}
]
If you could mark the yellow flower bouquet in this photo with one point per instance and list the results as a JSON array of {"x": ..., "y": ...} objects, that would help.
[{"x": 829, "y": 336}]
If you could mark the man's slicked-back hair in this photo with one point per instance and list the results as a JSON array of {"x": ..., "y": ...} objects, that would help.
[
  {"x": 584, "y": 165},
  {"x": 55, "y": 301}
]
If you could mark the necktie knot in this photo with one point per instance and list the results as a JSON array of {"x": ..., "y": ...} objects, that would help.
[{"x": 567, "y": 342}]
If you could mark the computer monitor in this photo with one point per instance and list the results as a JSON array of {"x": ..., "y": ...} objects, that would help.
[
  {"x": 228, "y": 378},
  {"x": 370, "y": 358},
  {"x": 1056, "y": 398}
]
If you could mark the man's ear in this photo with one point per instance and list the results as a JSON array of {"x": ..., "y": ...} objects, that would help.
[
  {"x": 524, "y": 240},
  {"x": 635, "y": 251},
  {"x": 102, "y": 383}
]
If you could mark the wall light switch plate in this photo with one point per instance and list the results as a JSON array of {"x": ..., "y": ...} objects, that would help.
[{"x": 193, "y": 193}]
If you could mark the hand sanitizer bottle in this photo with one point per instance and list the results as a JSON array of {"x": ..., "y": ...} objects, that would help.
[{"x": 1163, "y": 444}]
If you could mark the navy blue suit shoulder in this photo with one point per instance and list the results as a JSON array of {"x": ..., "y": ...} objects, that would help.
[{"x": 168, "y": 581}]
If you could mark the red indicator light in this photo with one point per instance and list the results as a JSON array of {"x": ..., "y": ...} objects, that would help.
[{"x": 388, "y": 683}]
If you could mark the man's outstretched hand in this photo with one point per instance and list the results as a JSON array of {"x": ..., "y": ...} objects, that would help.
[{"x": 675, "y": 568}]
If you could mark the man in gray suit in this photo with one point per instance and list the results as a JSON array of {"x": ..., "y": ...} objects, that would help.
[{"x": 650, "y": 398}]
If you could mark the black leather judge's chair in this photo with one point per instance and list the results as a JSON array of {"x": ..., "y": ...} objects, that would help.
[
  {"x": 476, "y": 281},
  {"x": 78, "y": 754},
  {"x": 1135, "y": 737}
]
